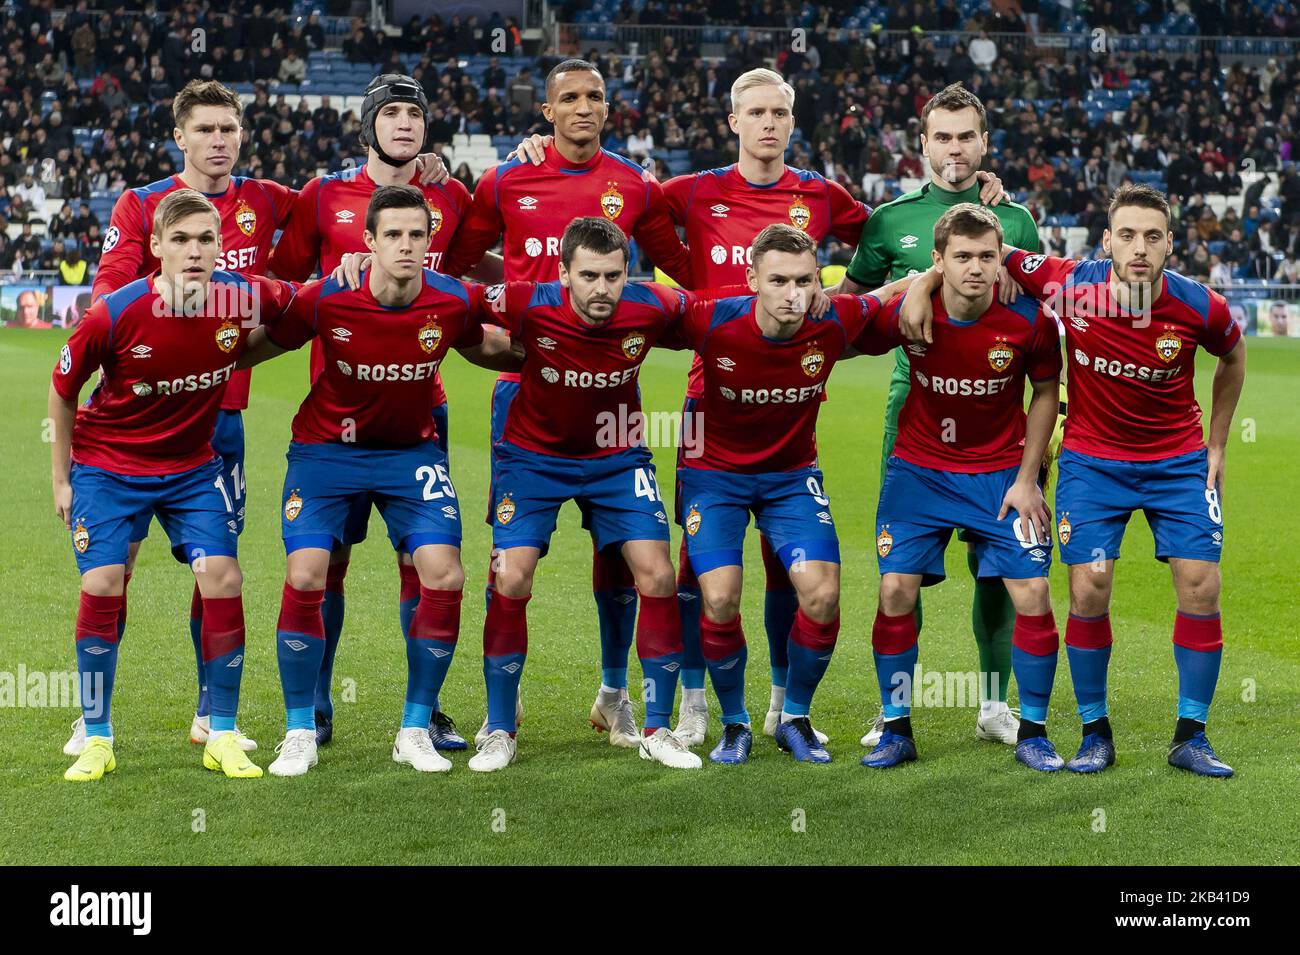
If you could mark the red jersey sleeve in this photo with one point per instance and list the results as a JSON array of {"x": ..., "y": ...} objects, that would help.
[
  {"x": 1044, "y": 358},
  {"x": 471, "y": 332},
  {"x": 125, "y": 243},
  {"x": 271, "y": 298},
  {"x": 295, "y": 254},
  {"x": 283, "y": 199},
  {"x": 1040, "y": 275},
  {"x": 848, "y": 215},
  {"x": 1221, "y": 332},
  {"x": 479, "y": 230},
  {"x": 460, "y": 196},
  {"x": 677, "y": 197},
  {"x": 503, "y": 304},
  {"x": 879, "y": 332},
  {"x": 86, "y": 350},
  {"x": 655, "y": 233},
  {"x": 296, "y": 323}
]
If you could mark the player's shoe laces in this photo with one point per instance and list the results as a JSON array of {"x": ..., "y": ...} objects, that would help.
[
  {"x": 414, "y": 747},
  {"x": 798, "y": 738},
  {"x": 1000, "y": 727},
  {"x": 481, "y": 736},
  {"x": 201, "y": 727},
  {"x": 497, "y": 751},
  {"x": 772, "y": 721},
  {"x": 1096, "y": 752},
  {"x": 296, "y": 754},
  {"x": 692, "y": 725},
  {"x": 443, "y": 732},
  {"x": 1038, "y": 753},
  {"x": 892, "y": 750},
  {"x": 876, "y": 732},
  {"x": 616, "y": 718},
  {"x": 737, "y": 740},
  {"x": 1197, "y": 756},
  {"x": 77, "y": 741},
  {"x": 95, "y": 760},
  {"x": 663, "y": 747},
  {"x": 324, "y": 728},
  {"x": 223, "y": 753}
]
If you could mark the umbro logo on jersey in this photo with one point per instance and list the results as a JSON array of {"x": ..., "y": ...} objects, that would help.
[
  {"x": 719, "y": 211},
  {"x": 916, "y": 349},
  {"x": 726, "y": 364},
  {"x": 142, "y": 351},
  {"x": 1079, "y": 323},
  {"x": 547, "y": 343},
  {"x": 824, "y": 517},
  {"x": 297, "y": 646},
  {"x": 344, "y": 216},
  {"x": 907, "y": 242},
  {"x": 341, "y": 334},
  {"x": 449, "y": 511},
  {"x": 527, "y": 203}
]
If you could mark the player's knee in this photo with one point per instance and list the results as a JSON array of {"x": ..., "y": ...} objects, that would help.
[
  {"x": 822, "y": 601},
  {"x": 1034, "y": 597},
  {"x": 1089, "y": 592},
  {"x": 657, "y": 580},
  {"x": 514, "y": 582},
  {"x": 897, "y": 596},
  {"x": 305, "y": 577},
  {"x": 446, "y": 577},
  {"x": 102, "y": 582},
  {"x": 219, "y": 578},
  {"x": 1198, "y": 591},
  {"x": 721, "y": 606}
]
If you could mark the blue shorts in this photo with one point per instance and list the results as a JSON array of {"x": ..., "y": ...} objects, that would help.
[
  {"x": 195, "y": 508},
  {"x": 503, "y": 392},
  {"x": 790, "y": 508},
  {"x": 920, "y": 508},
  {"x": 618, "y": 494},
  {"x": 410, "y": 486},
  {"x": 228, "y": 444},
  {"x": 357, "y": 522},
  {"x": 1095, "y": 496}
]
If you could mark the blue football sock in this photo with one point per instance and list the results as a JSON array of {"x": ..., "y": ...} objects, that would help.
[
  {"x": 196, "y": 632},
  {"x": 223, "y": 652},
  {"x": 616, "y": 613},
  {"x": 430, "y": 648},
  {"x": 502, "y": 674},
  {"x": 96, "y": 645},
  {"x": 1198, "y": 674},
  {"x": 332, "y": 607},
  {"x": 728, "y": 676},
  {"x": 693, "y": 665},
  {"x": 1034, "y": 676},
  {"x": 894, "y": 676},
  {"x": 811, "y": 647},
  {"x": 299, "y": 647},
  {"x": 779, "y": 608},
  {"x": 1088, "y": 669}
]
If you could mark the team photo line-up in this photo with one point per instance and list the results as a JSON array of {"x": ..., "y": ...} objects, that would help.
[{"x": 194, "y": 289}]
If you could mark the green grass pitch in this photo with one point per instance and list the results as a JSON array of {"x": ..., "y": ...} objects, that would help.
[{"x": 571, "y": 798}]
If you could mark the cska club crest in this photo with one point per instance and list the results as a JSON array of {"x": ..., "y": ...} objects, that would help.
[
  {"x": 813, "y": 361},
  {"x": 611, "y": 201},
  {"x": 505, "y": 510},
  {"x": 1168, "y": 345},
  {"x": 80, "y": 537},
  {"x": 245, "y": 218},
  {"x": 1000, "y": 355},
  {"x": 1063, "y": 529},
  {"x": 800, "y": 215},
  {"x": 693, "y": 520},
  {"x": 227, "y": 336},
  {"x": 884, "y": 542},
  {"x": 633, "y": 343},
  {"x": 430, "y": 335},
  {"x": 435, "y": 218},
  {"x": 293, "y": 506}
]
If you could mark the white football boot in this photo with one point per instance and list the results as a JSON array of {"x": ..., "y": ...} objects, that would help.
[
  {"x": 481, "y": 736},
  {"x": 201, "y": 726},
  {"x": 414, "y": 747},
  {"x": 663, "y": 747},
  {"x": 615, "y": 716},
  {"x": 497, "y": 751},
  {"x": 297, "y": 754},
  {"x": 999, "y": 726},
  {"x": 877, "y": 730},
  {"x": 77, "y": 741},
  {"x": 692, "y": 718}
]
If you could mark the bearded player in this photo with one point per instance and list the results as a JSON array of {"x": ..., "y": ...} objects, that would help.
[
  {"x": 528, "y": 208},
  {"x": 897, "y": 241},
  {"x": 328, "y": 222},
  {"x": 1134, "y": 441},
  {"x": 142, "y": 445}
]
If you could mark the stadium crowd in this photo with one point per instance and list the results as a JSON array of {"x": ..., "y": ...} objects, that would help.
[{"x": 1064, "y": 134}]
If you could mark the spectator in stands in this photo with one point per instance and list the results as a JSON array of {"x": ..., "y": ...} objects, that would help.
[
  {"x": 640, "y": 144},
  {"x": 1288, "y": 272},
  {"x": 293, "y": 69},
  {"x": 72, "y": 268},
  {"x": 1220, "y": 272},
  {"x": 1208, "y": 225},
  {"x": 983, "y": 52},
  {"x": 31, "y": 192},
  {"x": 464, "y": 176},
  {"x": 27, "y": 246}
]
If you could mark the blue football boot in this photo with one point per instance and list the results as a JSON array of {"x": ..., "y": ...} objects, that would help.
[
  {"x": 1096, "y": 752},
  {"x": 1197, "y": 756},
  {"x": 1038, "y": 753},
  {"x": 442, "y": 730},
  {"x": 798, "y": 739},
  {"x": 892, "y": 750},
  {"x": 737, "y": 740},
  {"x": 324, "y": 728}
]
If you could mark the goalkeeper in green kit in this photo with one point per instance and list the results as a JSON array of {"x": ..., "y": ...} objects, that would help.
[{"x": 896, "y": 241}]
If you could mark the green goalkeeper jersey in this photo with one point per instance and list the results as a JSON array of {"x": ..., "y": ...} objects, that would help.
[{"x": 897, "y": 241}]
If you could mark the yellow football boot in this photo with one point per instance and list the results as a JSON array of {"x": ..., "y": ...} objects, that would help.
[
  {"x": 223, "y": 753},
  {"x": 95, "y": 760}
]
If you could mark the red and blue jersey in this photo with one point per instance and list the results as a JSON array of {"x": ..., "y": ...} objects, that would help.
[
  {"x": 965, "y": 410},
  {"x": 761, "y": 395},
  {"x": 380, "y": 362},
  {"x": 722, "y": 211},
  {"x": 1131, "y": 375},
  {"x": 579, "y": 381},
  {"x": 329, "y": 220},
  {"x": 251, "y": 211},
  {"x": 155, "y": 407}
]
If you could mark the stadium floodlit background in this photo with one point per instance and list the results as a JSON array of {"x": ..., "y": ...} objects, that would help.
[{"x": 1200, "y": 99}]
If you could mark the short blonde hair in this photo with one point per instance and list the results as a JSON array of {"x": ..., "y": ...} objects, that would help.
[
  {"x": 179, "y": 205},
  {"x": 761, "y": 77},
  {"x": 205, "y": 93}
]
